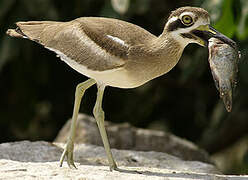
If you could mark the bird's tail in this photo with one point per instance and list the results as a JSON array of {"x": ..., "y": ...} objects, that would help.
[{"x": 32, "y": 30}]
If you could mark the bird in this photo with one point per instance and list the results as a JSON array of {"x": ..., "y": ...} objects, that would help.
[{"x": 116, "y": 53}]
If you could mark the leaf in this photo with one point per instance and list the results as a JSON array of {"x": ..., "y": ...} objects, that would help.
[
  {"x": 214, "y": 9},
  {"x": 226, "y": 24},
  {"x": 46, "y": 9},
  {"x": 5, "y": 6},
  {"x": 142, "y": 6},
  {"x": 7, "y": 50},
  {"x": 242, "y": 29},
  {"x": 120, "y": 6},
  {"x": 107, "y": 11}
]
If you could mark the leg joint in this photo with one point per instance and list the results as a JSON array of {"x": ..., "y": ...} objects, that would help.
[
  {"x": 81, "y": 87},
  {"x": 79, "y": 90},
  {"x": 98, "y": 112}
]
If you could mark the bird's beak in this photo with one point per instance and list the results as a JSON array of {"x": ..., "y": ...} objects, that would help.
[{"x": 205, "y": 32}]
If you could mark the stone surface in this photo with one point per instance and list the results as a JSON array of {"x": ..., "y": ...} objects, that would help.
[
  {"x": 39, "y": 160},
  {"x": 50, "y": 170},
  {"x": 26, "y": 151},
  {"x": 95, "y": 155},
  {"x": 233, "y": 156},
  {"x": 124, "y": 136}
]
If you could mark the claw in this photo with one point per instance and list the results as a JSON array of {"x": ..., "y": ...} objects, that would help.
[
  {"x": 70, "y": 160},
  {"x": 113, "y": 167},
  {"x": 68, "y": 153},
  {"x": 62, "y": 158}
]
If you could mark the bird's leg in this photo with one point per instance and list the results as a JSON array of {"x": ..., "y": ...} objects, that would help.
[
  {"x": 99, "y": 116},
  {"x": 68, "y": 151}
]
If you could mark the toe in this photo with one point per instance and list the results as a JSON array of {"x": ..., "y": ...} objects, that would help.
[{"x": 70, "y": 160}]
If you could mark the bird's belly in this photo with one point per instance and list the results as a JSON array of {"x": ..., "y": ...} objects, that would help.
[
  {"x": 133, "y": 74},
  {"x": 121, "y": 77},
  {"x": 115, "y": 77},
  {"x": 118, "y": 77}
]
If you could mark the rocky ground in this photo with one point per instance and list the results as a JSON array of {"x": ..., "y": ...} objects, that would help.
[{"x": 39, "y": 160}]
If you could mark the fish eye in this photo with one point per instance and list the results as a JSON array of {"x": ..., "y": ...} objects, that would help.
[{"x": 187, "y": 20}]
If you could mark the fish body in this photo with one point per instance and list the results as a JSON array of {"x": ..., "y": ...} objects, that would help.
[{"x": 223, "y": 61}]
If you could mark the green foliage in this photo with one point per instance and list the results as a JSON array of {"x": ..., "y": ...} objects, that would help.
[
  {"x": 242, "y": 29},
  {"x": 229, "y": 16},
  {"x": 226, "y": 22}
]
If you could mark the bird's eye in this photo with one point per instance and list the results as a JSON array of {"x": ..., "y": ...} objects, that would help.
[{"x": 187, "y": 20}]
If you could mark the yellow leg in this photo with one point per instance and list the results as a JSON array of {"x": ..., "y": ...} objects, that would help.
[
  {"x": 99, "y": 116},
  {"x": 68, "y": 151}
]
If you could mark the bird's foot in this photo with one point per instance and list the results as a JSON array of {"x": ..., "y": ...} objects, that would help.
[
  {"x": 113, "y": 166},
  {"x": 68, "y": 153}
]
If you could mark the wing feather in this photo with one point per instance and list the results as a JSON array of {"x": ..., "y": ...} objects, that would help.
[{"x": 96, "y": 43}]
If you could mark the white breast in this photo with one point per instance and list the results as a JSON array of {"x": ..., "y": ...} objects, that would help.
[{"x": 116, "y": 77}]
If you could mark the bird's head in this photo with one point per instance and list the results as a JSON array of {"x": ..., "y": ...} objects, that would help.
[{"x": 192, "y": 25}]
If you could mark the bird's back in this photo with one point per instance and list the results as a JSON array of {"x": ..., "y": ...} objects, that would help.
[
  {"x": 105, "y": 40},
  {"x": 96, "y": 47},
  {"x": 128, "y": 32}
]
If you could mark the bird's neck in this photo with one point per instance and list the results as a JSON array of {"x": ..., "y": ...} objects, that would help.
[
  {"x": 170, "y": 51},
  {"x": 173, "y": 37},
  {"x": 155, "y": 58},
  {"x": 166, "y": 47}
]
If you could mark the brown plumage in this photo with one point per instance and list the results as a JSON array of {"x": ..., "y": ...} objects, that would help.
[
  {"x": 199, "y": 12},
  {"x": 140, "y": 52}
]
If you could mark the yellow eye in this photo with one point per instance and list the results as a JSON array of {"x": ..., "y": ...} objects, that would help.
[{"x": 187, "y": 20}]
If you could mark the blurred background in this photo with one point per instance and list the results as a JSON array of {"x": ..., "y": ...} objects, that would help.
[{"x": 37, "y": 89}]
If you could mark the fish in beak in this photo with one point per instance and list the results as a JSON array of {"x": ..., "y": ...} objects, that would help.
[
  {"x": 223, "y": 60},
  {"x": 204, "y": 32}
]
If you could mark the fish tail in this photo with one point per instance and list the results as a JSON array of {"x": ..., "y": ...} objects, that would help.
[
  {"x": 227, "y": 99},
  {"x": 226, "y": 94}
]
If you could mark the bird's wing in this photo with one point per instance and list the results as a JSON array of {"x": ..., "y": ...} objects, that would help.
[{"x": 95, "y": 43}]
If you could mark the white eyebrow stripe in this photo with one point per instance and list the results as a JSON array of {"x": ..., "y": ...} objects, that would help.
[
  {"x": 187, "y": 13},
  {"x": 174, "y": 18},
  {"x": 118, "y": 40}
]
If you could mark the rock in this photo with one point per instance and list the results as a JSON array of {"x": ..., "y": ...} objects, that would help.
[
  {"x": 26, "y": 151},
  {"x": 124, "y": 136},
  {"x": 95, "y": 155},
  {"x": 39, "y": 160},
  {"x": 19, "y": 170},
  {"x": 233, "y": 157}
]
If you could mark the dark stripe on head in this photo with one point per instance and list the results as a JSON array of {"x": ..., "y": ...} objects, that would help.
[
  {"x": 188, "y": 35},
  {"x": 175, "y": 25}
]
